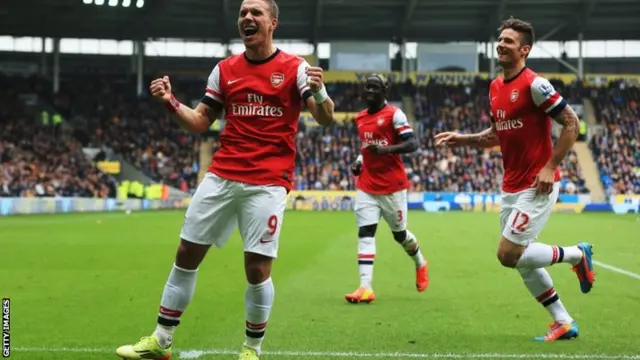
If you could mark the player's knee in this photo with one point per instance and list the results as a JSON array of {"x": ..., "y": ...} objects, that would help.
[
  {"x": 507, "y": 260},
  {"x": 509, "y": 253},
  {"x": 190, "y": 255},
  {"x": 400, "y": 236},
  {"x": 367, "y": 231},
  {"x": 257, "y": 267}
]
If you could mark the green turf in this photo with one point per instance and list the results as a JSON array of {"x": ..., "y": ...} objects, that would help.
[{"x": 95, "y": 280}]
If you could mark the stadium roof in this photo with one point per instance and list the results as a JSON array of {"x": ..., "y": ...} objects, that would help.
[{"x": 324, "y": 20}]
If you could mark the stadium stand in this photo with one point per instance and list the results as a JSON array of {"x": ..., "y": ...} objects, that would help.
[
  {"x": 143, "y": 133},
  {"x": 140, "y": 130},
  {"x": 325, "y": 154},
  {"x": 97, "y": 98},
  {"x": 37, "y": 157},
  {"x": 617, "y": 148}
]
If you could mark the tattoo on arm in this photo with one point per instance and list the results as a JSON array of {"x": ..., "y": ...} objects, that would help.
[
  {"x": 488, "y": 137},
  {"x": 569, "y": 121},
  {"x": 570, "y": 128}
]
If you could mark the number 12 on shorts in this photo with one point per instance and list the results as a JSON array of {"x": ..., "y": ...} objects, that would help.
[{"x": 520, "y": 222}]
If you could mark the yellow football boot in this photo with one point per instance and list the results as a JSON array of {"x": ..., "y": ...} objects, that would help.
[
  {"x": 362, "y": 295},
  {"x": 248, "y": 354},
  {"x": 147, "y": 348}
]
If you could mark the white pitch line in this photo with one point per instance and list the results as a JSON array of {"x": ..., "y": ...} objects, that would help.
[
  {"x": 617, "y": 269},
  {"x": 194, "y": 354}
]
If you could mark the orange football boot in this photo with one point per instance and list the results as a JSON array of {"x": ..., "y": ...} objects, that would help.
[
  {"x": 362, "y": 295},
  {"x": 422, "y": 277},
  {"x": 584, "y": 269},
  {"x": 559, "y": 331}
]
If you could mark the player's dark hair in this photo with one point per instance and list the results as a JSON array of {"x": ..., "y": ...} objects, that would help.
[
  {"x": 527, "y": 37},
  {"x": 383, "y": 81}
]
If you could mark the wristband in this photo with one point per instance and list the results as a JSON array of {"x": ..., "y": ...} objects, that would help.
[
  {"x": 173, "y": 104},
  {"x": 359, "y": 158},
  {"x": 321, "y": 96}
]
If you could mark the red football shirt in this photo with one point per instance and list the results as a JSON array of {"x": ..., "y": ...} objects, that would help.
[
  {"x": 382, "y": 174},
  {"x": 521, "y": 109},
  {"x": 262, "y": 103}
]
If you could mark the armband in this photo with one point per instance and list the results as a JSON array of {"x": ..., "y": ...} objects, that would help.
[
  {"x": 321, "y": 96},
  {"x": 173, "y": 104}
]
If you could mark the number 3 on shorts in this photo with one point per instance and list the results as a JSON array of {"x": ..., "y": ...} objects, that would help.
[
  {"x": 400, "y": 216},
  {"x": 520, "y": 222}
]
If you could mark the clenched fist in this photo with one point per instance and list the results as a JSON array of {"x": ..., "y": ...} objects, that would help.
[
  {"x": 161, "y": 89},
  {"x": 315, "y": 78}
]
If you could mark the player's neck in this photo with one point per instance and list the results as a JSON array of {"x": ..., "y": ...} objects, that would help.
[
  {"x": 261, "y": 52},
  {"x": 511, "y": 72},
  {"x": 375, "y": 108}
]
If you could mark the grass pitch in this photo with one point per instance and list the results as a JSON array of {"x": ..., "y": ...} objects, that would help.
[{"x": 81, "y": 285}]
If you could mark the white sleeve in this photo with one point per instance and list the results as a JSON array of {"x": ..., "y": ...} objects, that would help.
[
  {"x": 545, "y": 97},
  {"x": 400, "y": 123},
  {"x": 303, "y": 86},
  {"x": 213, "y": 90}
]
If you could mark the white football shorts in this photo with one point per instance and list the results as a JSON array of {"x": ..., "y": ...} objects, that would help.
[
  {"x": 392, "y": 207},
  {"x": 523, "y": 215},
  {"x": 219, "y": 205}
]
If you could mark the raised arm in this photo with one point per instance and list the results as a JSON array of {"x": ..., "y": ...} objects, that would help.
[
  {"x": 198, "y": 120},
  {"x": 314, "y": 93}
]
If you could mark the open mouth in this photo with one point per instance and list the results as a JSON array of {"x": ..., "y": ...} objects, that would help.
[{"x": 250, "y": 30}]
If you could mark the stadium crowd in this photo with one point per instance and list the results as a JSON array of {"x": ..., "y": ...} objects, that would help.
[
  {"x": 37, "y": 161},
  {"x": 617, "y": 148},
  {"x": 325, "y": 154},
  {"x": 139, "y": 130}
]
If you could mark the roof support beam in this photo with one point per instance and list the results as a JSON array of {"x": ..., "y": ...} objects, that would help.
[
  {"x": 142, "y": 21},
  {"x": 581, "y": 18},
  {"x": 317, "y": 22},
  {"x": 405, "y": 22},
  {"x": 226, "y": 38},
  {"x": 499, "y": 16},
  {"x": 500, "y": 10},
  {"x": 552, "y": 32},
  {"x": 589, "y": 6}
]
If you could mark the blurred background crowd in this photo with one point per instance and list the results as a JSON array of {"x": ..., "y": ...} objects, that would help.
[{"x": 41, "y": 153}]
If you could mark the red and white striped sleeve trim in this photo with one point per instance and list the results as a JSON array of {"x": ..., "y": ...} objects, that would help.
[
  {"x": 544, "y": 96},
  {"x": 213, "y": 89},
  {"x": 302, "y": 77},
  {"x": 400, "y": 123}
]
